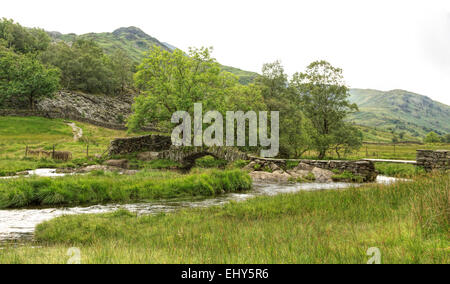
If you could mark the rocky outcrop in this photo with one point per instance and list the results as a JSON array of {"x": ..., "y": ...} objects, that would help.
[{"x": 108, "y": 109}]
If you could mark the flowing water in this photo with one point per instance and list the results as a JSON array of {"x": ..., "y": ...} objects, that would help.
[{"x": 19, "y": 224}]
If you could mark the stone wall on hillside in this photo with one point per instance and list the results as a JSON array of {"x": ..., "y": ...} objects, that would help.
[
  {"x": 154, "y": 143},
  {"x": 433, "y": 160}
]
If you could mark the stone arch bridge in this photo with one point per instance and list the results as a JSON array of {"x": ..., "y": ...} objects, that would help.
[{"x": 161, "y": 147}]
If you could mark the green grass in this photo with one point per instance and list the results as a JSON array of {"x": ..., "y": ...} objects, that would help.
[
  {"x": 42, "y": 133},
  {"x": 208, "y": 162},
  {"x": 408, "y": 222},
  {"x": 99, "y": 187},
  {"x": 382, "y": 151},
  {"x": 399, "y": 170},
  {"x": 347, "y": 177}
]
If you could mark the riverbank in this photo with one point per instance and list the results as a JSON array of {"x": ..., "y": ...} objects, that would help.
[
  {"x": 100, "y": 187},
  {"x": 408, "y": 222}
]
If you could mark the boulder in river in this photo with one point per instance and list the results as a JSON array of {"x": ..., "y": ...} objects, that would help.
[
  {"x": 322, "y": 175},
  {"x": 277, "y": 176}
]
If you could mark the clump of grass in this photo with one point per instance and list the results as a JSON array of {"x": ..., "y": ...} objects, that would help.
[
  {"x": 399, "y": 170},
  {"x": 209, "y": 162},
  {"x": 347, "y": 176},
  {"x": 308, "y": 178},
  {"x": 112, "y": 187}
]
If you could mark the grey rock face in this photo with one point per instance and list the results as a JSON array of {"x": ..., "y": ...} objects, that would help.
[{"x": 101, "y": 108}]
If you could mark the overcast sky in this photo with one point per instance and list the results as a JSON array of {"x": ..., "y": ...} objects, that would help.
[{"x": 380, "y": 44}]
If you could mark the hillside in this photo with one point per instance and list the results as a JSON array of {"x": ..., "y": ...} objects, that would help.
[
  {"x": 400, "y": 111},
  {"x": 135, "y": 42},
  {"x": 132, "y": 40}
]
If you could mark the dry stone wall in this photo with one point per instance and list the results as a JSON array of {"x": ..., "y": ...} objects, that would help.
[
  {"x": 365, "y": 169},
  {"x": 433, "y": 160},
  {"x": 154, "y": 143}
]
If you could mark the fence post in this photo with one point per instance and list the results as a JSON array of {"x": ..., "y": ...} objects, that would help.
[
  {"x": 26, "y": 151},
  {"x": 87, "y": 150},
  {"x": 53, "y": 152}
]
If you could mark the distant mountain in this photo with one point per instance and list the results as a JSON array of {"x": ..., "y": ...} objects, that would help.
[
  {"x": 135, "y": 42},
  {"x": 400, "y": 111}
]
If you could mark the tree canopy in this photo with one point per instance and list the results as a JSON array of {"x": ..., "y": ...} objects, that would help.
[
  {"x": 84, "y": 67},
  {"x": 432, "y": 137},
  {"x": 324, "y": 100},
  {"x": 24, "y": 79},
  {"x": 173, "y": 81}
]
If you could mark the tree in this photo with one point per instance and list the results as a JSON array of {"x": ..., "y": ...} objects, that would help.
[
  {"x": 323, "y": 95},
  {"x": 346, "y": 138},
  {"x": 122, "y": 70},
  {"x": 25, "y": 79},
  {"x": 23, "y": 40},
  {"x": 432, "y": 137},
  {"x": 84, "y": 67},
  {"x": 173, "y": 81},
  {"x": 295, "y": 128}
]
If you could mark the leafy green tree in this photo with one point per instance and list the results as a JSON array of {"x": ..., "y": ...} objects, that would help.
[
  {"x": 394, "y": 139},
  {"x": 432, "y": 137},
  {"x": 122, "y": 70},
  {"x": 347, "y": 139},
  {"x": 25, "y": 79},
  {"x": 172, "y": 81},
  {"x": 295, "y": 128},
  {"x": 23, "y": 40},
  {"x": 84, "y": 67},
  {"x": 324, "y": 100}
]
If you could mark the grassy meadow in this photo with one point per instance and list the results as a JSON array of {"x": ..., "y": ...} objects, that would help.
[
  {"x": 41, "y": 133},
  {"x": 408, "y": 222}
]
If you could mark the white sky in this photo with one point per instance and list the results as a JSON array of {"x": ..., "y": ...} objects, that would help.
[{"x": 380, "y": 44}]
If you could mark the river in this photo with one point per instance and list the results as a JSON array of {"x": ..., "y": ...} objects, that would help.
[{"x": 19, "y": 224}]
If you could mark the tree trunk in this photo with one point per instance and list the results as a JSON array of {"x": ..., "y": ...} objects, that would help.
[
  {"x": 31, "y": 102},
  {"x": 322, "y": 154}
]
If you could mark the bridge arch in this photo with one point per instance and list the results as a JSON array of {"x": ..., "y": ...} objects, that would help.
[{"x": 187, "y": 155}]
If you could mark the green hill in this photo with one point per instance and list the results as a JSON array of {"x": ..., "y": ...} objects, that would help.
[
  {"x": 400, "y": 111},
  {"x": 135, "y": 42}
]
